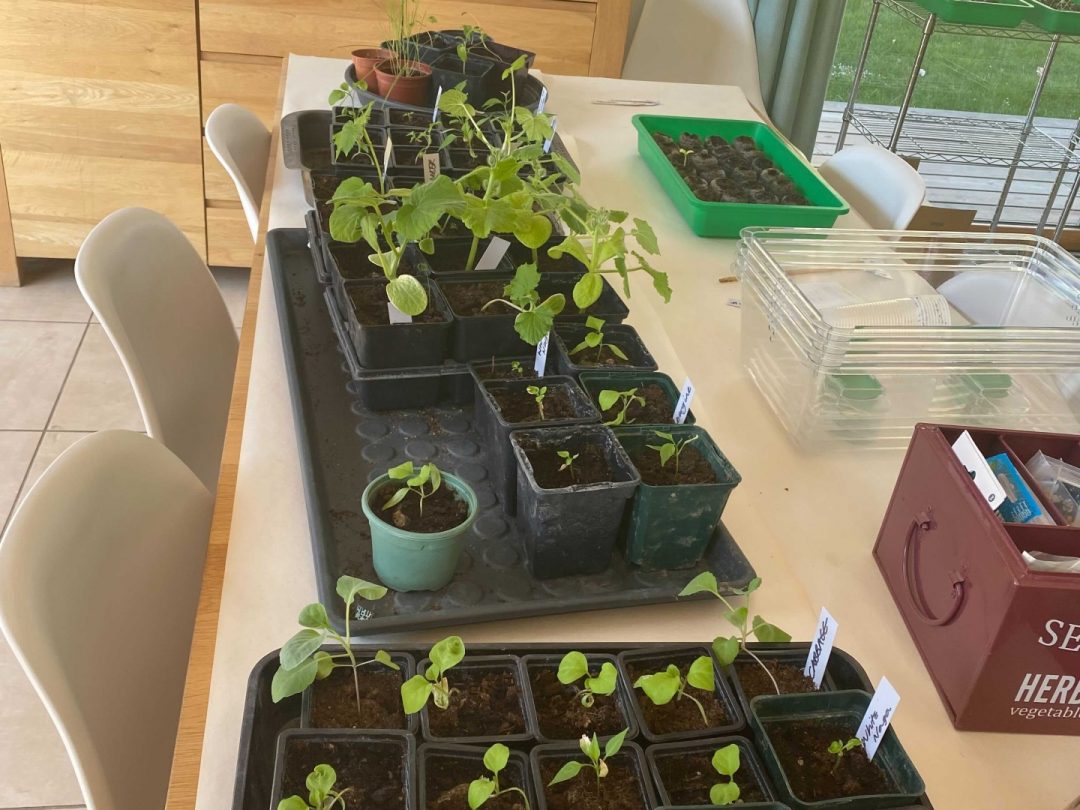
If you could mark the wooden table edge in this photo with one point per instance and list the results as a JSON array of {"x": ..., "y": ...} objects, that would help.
[{"x": 187, "y": 754}]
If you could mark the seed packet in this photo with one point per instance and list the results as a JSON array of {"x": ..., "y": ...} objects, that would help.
[
  {"x": 1021, "y": 505},
  {"x": 1060, "y": 482}
]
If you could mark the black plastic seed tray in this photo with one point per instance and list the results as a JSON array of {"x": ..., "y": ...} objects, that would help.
[
  {"x": 264, "y": 720},
  {"x": 343, "y": 445}
]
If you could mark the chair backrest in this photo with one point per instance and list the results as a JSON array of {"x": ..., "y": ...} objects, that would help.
[
  {"x": 882, "y": 188},
  {"x": 100, "y": 570},
  {"x": 166, "y": 318},
  {"x": 241, "y": 143},
  {"x": 696, "y": 42}
]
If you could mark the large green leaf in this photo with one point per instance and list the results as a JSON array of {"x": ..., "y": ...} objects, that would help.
[
  {"x": 662, "y": 686},
  {"x": 532, "y": 230},
  {"x": 314, "y": 615},
  {"x": 615, "y": 744},
  {"x": 320, "y": 782},
  {"x": 643, "y": 232},
  {"x": 525, "y": 281},
  {"x": 704, "y": 582},
  {"x": 725, "y": 761},
  {"x": 408, "y": 295},
  {"x": 567, "y": 772},
  {"x": 769, "y": 633},
  {"x": 496, "y": 757},
  {"x": 700, "y": 675},
  {"x": 605, "y": 682},
  {"x": 300, "y": 647},
  {"x": 348, "y": 588},
  {"x": 532, "y": 325},
  {"x": 345, "y": 223},
  {"x": 480, "y": 791},
  {"x": 447, "y": 653},
  {"x": 725, "y": 649},
  {"x": 573, "y": 667},
  {"x": 415, "y": 693},
  {"x": 573, "y": 246},
  {"x": 587, "y": 290},
  {"x": 425, "y": 205},
  {"x": 289, "y": 682},
  {"x": 356, "y": 191}
]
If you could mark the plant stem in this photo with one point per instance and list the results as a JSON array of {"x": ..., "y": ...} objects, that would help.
[
  {"x": 761, "y": 663},
  {"x": 684, "y": 693}
]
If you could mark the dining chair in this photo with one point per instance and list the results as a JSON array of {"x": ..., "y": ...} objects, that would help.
[
  {"x": 696, "y": 42},
  {"x": 165, "y": 316},
  {"x": 883, "y": 188},
  {"x": 241, "y": 143},
  {"x": 100, "y": 572}
]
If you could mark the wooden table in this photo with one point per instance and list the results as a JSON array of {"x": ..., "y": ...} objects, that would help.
[{"x": 807, "y": 523}]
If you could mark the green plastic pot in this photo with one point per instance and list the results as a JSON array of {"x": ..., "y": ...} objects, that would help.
[
  {"x": 999, "y": 14},
  {"x": 671, "y": 526},
  {"x": 1055, "y": 20},
  {"x": 415, "y": 561},
  {"x": 596, "y": 381}
]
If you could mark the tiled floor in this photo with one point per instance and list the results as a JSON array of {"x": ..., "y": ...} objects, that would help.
[{"x": 59, "y": 380}]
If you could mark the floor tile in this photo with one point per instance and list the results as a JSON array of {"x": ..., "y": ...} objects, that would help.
[
  {"x": 48, "y": 293},
  {"x": 17, "y": 450},
  {"x": 233, "y": 282},
  {"x": 97, "y": 394},
  {"x": 53, "y": 443},
  {"x": 34, "y": 360}
]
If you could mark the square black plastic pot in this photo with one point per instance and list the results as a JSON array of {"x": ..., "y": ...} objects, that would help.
[
  {"x": 630, "y": 756},
  {"x": 792, "y": 654},
  {"x": 483, "y": 662},
  {"x": 769, "y": 712},
  {"x": 657, "y": 755},
  {"x": 469, "y": 763},
  {"x": 568, "y": 336},
  {"x": 495, "y": 430},
  {"x": 358, "y": 159},
  {"x": 462, "y": 162},
  {"x": 609, "y": 306},
  {"x": 451, "y": 257},
  {"x": 407, "y": 668},
  {"x": 596, "y": 381},
  {"x": 621, "y": 696},
  {"x": 349, "y": 263},
  {"x": 483, "y": 335},
  {"x": 657, "y": 659},
  {"x": 571, "y": 531},
  {"x": 337, "y": 749},
  {"x": 343, "y": 113},
  {"x": 670, "y": 527},
  {"x": 408, "y": 159},
  {"x": 480, "y": 76},
  {"x": 496, "y": 369},
  {"x": 401, "y": 345},
  {"x": 407, "y": 389}
]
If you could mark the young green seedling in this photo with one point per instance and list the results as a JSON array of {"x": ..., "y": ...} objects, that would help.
[
  {"x": 321, "y": 793},
  {"x": 608, "y": 399},
  {"x": 433, "y": 684},
  {"x": 839, "y": 748},
  {"x": 594, "y": 339},
  {"x": 423, "y": 482},
  {"x": 591, "y": 749},
  {"x": 302, "y": 662},
  {"x": 568, "y": 460},
  {"x": 487, "y": 787},
  {"x": 727, "y": 648},
  {"x": 670, "y": 448},
  {"x": 538, "y": 392},
  {"x": 725, "y": 761},
  {"x": 535, "y": 317},
  {"x": 685, "y": 154},
  {"x": 516, "y": 368},
  {"x": 574, "y": 666},
  {"x": 664, "y": 686}
]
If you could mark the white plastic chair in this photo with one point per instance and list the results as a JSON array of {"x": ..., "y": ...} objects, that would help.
[
  {"x": 696, "y": 42},
  {"x": 100, "y": 571},
  {"x": 241, "y": 143},
  {"x": 881, "y": 187},
  {"x": 166, "y": 318}
]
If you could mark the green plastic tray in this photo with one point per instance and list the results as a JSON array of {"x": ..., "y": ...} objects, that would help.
[
  {"x": 989, "y": 13},
  {"x": 728, "y": 219},
  {"x": 1051, "y": 19}
]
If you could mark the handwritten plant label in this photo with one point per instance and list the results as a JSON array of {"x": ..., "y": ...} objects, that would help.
[
  {"x": 817, "y": 660},
  {"x": 435, "y": 112},
  {"x": 878, "y": 716},
  {"x": 388, "y": 152},
  {"x": 977, "y": 467},
  {"x": 396, "y": 315},
  {"x": 551, "y": 140},
  {"x": 543, "y": 101},
  {"x": 540, "y": 365},
  {"x": 432, "y": 169},
  {"x": 682, "y": 407},
  {"x": 493, "y": 254}
]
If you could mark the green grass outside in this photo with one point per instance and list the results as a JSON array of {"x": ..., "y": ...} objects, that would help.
[{"x": 978, "y": 74}]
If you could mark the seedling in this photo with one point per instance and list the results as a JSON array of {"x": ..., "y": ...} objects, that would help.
[
  {"x": 302, "y": 662},
  {"x": 686, "y": 153},
  {"x": 516, "y": 368},
  {"x": 662, "y": 687},
  {"x": 671, "y": 448},
  {"x": 535, "y": 317},
  {"x": 725, "y": 761},
  {"x": 568, "y": 460},
  {"x": 839, "y": 748},
  {"x": 594, "y": 339},
  {"x": 608, "y": 399},
  {"x": 423, "y": 482},
  {"x": 321, "y": 793},
  {"x": 574, "y": 666},
  {"x": 727, "y": 648},
  {"x": 433, "y": 684},
  {"x": 487, "y": 787},
  {"x": 538, "y": 392},
  {"x": 591, "y": 749},
  {"x": 470, "y": 32}
]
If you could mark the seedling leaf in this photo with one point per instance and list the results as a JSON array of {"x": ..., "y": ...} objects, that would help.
[
  {"x": 480, "y": 791},
  {"x": 314, "y": 616},
  {"x": 661, "y": 687},
  {"x": 572, "y": 668},
  {"x": 612, "y": 746},
  {"x": 415, "y": 693},
  {"x": 300, "y": 647},
  {"x": 726, "y": 760},
  {"x": 348, "y": 588},
  {"x": 724, "y": 794},
  {"x": 496, "y": 757},
  {"x": 705, "y": 581},
  {"x": 567, "y": 772},
  {"x": 605, "y": 682},
  {"x": 700, "y": 674},
  {"x": 289, "y": 682},
  {"x": 407, "y": 294}
]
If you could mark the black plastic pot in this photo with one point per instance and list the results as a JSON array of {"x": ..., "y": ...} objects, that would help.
[
  {"x": 408, "y": 159},
  {"x": 403, "y": 345},
  {"x": 347, "y": 263},
  {"x": 485, "y": 334},
  {"x": 657, "y": 755},
  {"x": 545, "y": 760},
  {"x": 609, "y": 306},
  {"x": 343, "y": 113},
  {"x": 468, "y": 761},
  {"x": 450, "y": 257},
  {"x": 502, "y": 369},
  {"x": 793, "y": 654},
  {"x": 303, "y": 749},
  {"x": 357, "y": 159},
  {"x": 572, "y": 530},
  {"x": 495, "y": 429},
  {"x": 568, "y": 336},
  {"x": 655, "y": 660},
  {"x": 671, "y": 526},
  {"x": 544, "y": 263},
  {"x": 475, "y": 663},
  {"x": 596, "y": 381},
  {"x": 462, "y": 162},
  {"x": 621, "y": 696},
  {"x": 769, "y": 713},
  {"x": 407, "y": 668},
  {"x": 480, "y": 76}
]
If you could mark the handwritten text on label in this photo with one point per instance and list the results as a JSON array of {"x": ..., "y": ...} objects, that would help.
[
  {"x": 682, "y": 408},
  {"x": 540, "y": 365},
  {"x": 878, "y": 716},
  {"x": 817, "y": 660}
]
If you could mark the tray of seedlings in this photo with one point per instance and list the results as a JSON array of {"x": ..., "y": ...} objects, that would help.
[
  {"x": 559, "y": 726},
  {"x": 1055, "y": 16}
]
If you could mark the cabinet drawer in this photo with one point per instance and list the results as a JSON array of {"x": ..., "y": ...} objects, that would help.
[{"x": 228, "y": 239}]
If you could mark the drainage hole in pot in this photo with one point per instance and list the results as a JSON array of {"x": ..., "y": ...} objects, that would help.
[
  {"x": 442, "y": 510},
  {"x": 619, "y": 790},
  {"x": 334, "y": 699},
  {"x": 486, "y": 702},
  {"x": 561, "y": 715},
  {"x": 678, "y": 715},
  {"x": 447, "y": 778},
  {"x": 373, "y": 773},
  {"x": 693, "y": 468}
]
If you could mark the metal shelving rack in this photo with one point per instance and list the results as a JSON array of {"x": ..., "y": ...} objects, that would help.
[{"x": 967, "y": 141}]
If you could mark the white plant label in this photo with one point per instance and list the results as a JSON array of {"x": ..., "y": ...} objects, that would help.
[
  {"x": 551, "y": 140},
  {"x": 878, "y": 716},
  {"x": 543, "y": 101},
  {"x": 432, "y": 169},
  {"x": 388, "y": 152},
  {"x": 817, "y": 660},
  {"x": 540, "y": 365},
  {"x": 981, "y": 474},
  {"x": 435, "y": 112},
  {"x": 396, "y": 315},
  {"x": 682, "y": 407},
  {"x": 492, "y": 255}
]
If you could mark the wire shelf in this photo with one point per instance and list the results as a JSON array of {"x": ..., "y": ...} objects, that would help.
[{"x": 917, "y": 15}]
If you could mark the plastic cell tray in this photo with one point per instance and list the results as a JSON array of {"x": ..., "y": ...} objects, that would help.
[{"x": 343, "y": 445}]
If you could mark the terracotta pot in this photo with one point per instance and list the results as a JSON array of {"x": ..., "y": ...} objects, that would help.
[
  {"x": 364, "y": 61},
  {"x": 413, "y": 89}
]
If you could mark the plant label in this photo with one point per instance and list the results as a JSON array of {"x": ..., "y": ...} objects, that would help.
[
  {"x": 682, "y": 407},
  {"x": 540, "y": 365},
  {"x": 542, "y": 102},
  {"x": 388, "y": 152},
  {"x": 551, "y": 140},
  {"x": 493, "y": 254},
  {"x": 396, "y": 315},
  {"x": 817, "y": 660},
  {"x": 435, "y": 112},
  {"x": 432, "y": 169},
  {"x": 878, "y": 716},
  {"x": 977, "y": 467}
]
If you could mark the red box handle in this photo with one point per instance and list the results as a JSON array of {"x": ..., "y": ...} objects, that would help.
[{"x": 924, "y": 522}]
